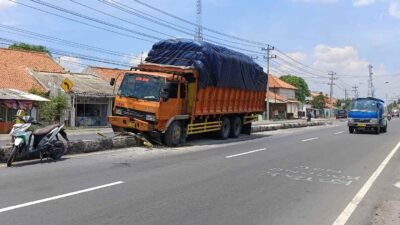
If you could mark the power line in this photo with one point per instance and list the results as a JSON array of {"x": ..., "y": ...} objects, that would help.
[
  {"x": 261, "y": 44},
  {"x": 119, "y": 18},
  {"x": 93, "y": 19},
  {"x": 80, "y": 22},
  {"x": 30, "y": 34}
]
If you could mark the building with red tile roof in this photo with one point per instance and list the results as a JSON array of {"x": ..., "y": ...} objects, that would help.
[
  {"x": 107, "y": 73},
  {"x": 282, "y": 99},
  {"x": 15, "y": 67},
  {"x": 275, "y": 82}
]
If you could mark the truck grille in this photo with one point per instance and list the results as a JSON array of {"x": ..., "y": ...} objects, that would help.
[
  {"x": 134, "y": 113},
  {"x": 362, "y": 120}
]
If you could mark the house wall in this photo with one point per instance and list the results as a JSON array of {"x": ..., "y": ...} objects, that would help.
[{"x": 287, "y": 93}]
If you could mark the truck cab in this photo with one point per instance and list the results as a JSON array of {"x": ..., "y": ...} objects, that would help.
[
  {"x": 146, "y": 101},
  {"x": 367, "y": 114}
]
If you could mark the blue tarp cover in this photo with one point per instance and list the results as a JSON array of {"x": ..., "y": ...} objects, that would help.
[{"x": 218, "y": 66}]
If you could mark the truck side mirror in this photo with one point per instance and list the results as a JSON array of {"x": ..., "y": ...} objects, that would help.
[{"x": 112, "y": 81}]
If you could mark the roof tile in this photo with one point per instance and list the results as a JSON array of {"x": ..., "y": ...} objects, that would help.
[{"x": 14, "y": 66}]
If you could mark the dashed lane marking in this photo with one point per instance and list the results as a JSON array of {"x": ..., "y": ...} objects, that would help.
[
  {"x": 245, "y": 153},
  {"x": 59, "y": 197}
]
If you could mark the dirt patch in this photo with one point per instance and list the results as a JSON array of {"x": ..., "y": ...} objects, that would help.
[{"x": 388, "y": 213}]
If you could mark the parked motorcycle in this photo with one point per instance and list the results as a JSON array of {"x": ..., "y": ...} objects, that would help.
[{"x": 46, "y": 140}]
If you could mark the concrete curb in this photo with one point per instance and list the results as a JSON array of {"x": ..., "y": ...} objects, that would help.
[
  {"x": 270, "y": 127},
  {"x": 85, "y": 146}
]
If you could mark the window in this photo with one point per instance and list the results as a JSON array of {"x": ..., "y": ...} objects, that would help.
[
  {"x": 173, "y": 90},
  {"x": 183, "y": 91}
]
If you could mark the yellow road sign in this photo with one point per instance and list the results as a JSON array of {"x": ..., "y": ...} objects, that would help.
[{"x": 66, "y": 85}]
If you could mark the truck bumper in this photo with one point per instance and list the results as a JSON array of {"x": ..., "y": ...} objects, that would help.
[
  {"x": 363, "y": 125},
  {"x": 129, "y": 123}
]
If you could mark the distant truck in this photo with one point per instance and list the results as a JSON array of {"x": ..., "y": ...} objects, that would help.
[
  {"x": 367, "y": 114},
  {"x": 188, "y": 87}
]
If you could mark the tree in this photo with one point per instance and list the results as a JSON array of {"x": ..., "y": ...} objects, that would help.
[
  {"x": 319, "y": 101},
  {"x": 302, "y": 87},
  {"x": 346, "y": 104},
  {"x": 28, "y": 47},
  {"x": 53, "y": 109}
]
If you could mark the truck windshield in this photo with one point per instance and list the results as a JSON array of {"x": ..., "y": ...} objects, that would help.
[
  {"x": 141, "y": 87},
  {"x": 363, "y": 105}
]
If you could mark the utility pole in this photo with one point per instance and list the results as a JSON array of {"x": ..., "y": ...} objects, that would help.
[
  {"x": 332, "y": 78},
  {"x": 199, "y": 29},
  {"x": 268, "y": 56},
  {"x": 370, "y": 84},
  {"x": 345, "y": 94},
  {"x": 355, "y": 91}
]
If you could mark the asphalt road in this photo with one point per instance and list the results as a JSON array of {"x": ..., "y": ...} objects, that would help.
[{"x": 296, "y": 176}]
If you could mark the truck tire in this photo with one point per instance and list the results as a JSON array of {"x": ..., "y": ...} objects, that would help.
[
  {"x": 377, "y": 130},
  {"x": 173, "y": 135},
  {"x": 384, "y": 129},
  {"x": 225, "y": 128},
  {"x": 236, "y": 127},
  {"x": 351, "y": 130}
]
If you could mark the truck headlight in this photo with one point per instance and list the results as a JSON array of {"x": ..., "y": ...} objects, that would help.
[
  {"x": 150, "y": 118},
  {"x": 373, "y": 121},
  {"x": 351, "y": 120},
  {"x": 118, "y": 111}
]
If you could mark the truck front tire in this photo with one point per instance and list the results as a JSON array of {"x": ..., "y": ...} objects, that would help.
[
  {"x": 174, "y": 134},
  {"x": 351, "y": 130}
]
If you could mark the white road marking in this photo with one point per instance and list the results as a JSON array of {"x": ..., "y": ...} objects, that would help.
[
  {"x": 245, "y": 153},
  {"x": 348, "y": 211},
  {"x": 58, "y": 197},
  {"x": 310, "y": 139},
  {"x": 397, "y": 184},
  {"x": 339, "y": 132}
]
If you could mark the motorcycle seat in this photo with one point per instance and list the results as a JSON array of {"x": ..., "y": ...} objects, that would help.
[{"x": 45, "y": 130}]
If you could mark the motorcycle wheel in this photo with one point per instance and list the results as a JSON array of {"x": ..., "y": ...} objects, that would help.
[
  {"x": 57, "y": 150},
  {"x": 11, "y": 158}
]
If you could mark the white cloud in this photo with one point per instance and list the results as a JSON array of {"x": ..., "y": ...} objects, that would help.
[
  {"x": 359, "y": 3},
  {"x": 71, "y": 64},
  {"x": 136, "y": 60},
  {"x": 299, "y": 56},
  {"x": 343, "y": 60},
  {"x": 394, "y": 9},
  {"x": 316, "y": 1},
  {"x": 6, "y": 3}
]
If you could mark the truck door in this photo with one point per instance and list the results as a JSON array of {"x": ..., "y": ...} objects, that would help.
[{"x": 176, "y": 102}]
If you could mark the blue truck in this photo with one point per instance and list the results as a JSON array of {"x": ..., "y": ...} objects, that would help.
[{"x": 367, "y": 114}]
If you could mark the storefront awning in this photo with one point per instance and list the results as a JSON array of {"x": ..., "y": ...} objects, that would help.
[{"x": 13, "y": 94}]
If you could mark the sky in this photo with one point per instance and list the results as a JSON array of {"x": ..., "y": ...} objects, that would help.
[{"x": 311, "y": 37}]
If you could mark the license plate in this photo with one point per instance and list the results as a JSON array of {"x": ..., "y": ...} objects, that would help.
[{"x": 361, "y": 125}]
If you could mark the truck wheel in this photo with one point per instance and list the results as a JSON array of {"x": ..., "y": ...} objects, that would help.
[
  {"x": 225, "y": 128},
  {"x": 236, "y": 127},
  {"x": 384, "y": 129},
  {"x": 351, "y": 130},
  {"x": 377, "y": 130},
  {"x": 173, "y": 135}
]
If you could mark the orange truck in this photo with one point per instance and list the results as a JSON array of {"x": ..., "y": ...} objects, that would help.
[{"x": 177, "y": 93}]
